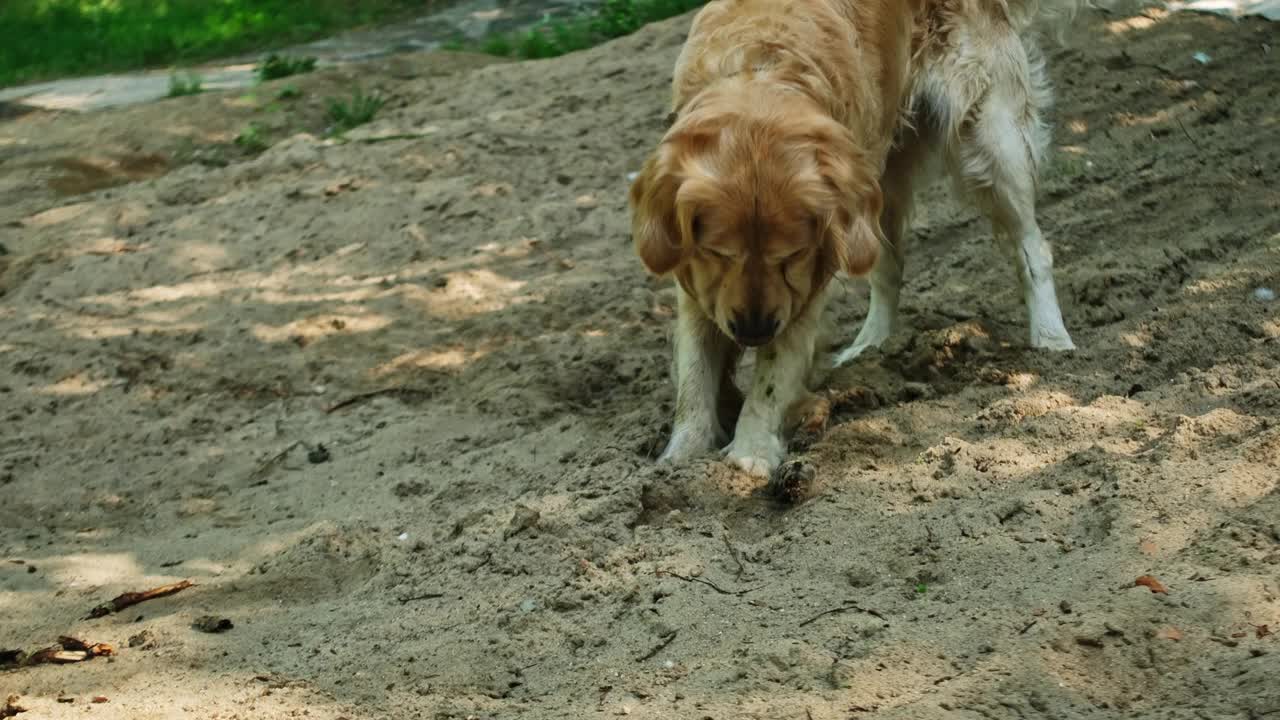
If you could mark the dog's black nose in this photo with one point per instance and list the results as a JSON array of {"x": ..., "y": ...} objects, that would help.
[{"x": 753, "y": 328}]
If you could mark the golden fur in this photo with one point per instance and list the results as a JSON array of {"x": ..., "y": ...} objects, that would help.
[{"x": 801, "y": 129}]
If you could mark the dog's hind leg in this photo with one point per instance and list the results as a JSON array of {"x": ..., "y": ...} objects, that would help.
[{"x": 996, "y": 159}]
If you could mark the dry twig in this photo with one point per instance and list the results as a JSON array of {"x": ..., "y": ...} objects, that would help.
[
  {"x": 130, "y": 599},
  {"x": 706, "y": 582},
  {"x": 733, "y": 552},
  {"x": 259, "y": 473},
  {"x": 845, "y": 608},
  {"x": 659, "y": 647},
  {"x": 399, "y": 392}
]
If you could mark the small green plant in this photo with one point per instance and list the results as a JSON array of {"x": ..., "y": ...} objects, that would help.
[
  {"x": 276, "y": 66},
  {"x": 921, "y": 589},
  {"x": 251, "y": 139},
  {"x": 499, "y": 45},
  {"x": 289, "y": 92},
  {"x": 455, "y": 44},
  {"x": 183, "y": 84},
  {"x": 344, "y": 116},
  {"x": 550, "y": 38},
  {"x": 616, "y": 18}
]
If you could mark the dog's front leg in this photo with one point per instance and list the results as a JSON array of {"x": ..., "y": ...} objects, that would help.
[
  {"x": 782, "y": 368},
  {"x": 702, "y": 355}
]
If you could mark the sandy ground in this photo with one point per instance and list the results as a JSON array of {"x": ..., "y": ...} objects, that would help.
[{"x": 391, "y": 406}]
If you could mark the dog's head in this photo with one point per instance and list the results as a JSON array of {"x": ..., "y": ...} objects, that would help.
[{"x": 754, "y": 210}]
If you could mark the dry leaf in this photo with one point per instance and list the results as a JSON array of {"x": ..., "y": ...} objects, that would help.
[
  {"x": 1169, "y": 633},
  {"x": 1148, "y": 547},
  {"x": 335, "y": 188},
  {"x": 99, "y": 699},
  {"x": 11, "y": 707},
  {"x": 1155, "y": 585},
  {"x": 1262, "y": 631},
  {"x": 70, "y": 650}
]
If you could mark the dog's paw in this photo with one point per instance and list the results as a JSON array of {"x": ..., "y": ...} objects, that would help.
[
  {"x": 687, "y": 443},
  {"x": 848, "y": 355},
  {"x": 757, "y": 456},
  {"x": 1058, "y": 341},
  {"x": 858, "y": 347}
]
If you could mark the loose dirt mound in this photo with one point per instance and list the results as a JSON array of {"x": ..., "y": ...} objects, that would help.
[{"x": 391, "y": 405}]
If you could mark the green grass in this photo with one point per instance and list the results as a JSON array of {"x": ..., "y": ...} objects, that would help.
[
  {"x": 344, "y": 116},
  {"x": 276, "y": 66},
  {"x": 555, "y": 37},
  {"x": 49, "y": 38},
  {"x": 183, "y": 84},
  {"x": 251, "y": 139}
]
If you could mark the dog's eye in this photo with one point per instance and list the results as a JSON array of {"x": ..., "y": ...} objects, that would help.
[{"x": 793, "y": 256}]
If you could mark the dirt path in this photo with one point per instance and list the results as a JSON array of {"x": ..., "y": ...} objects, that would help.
[{"x": 391, "y": 405}]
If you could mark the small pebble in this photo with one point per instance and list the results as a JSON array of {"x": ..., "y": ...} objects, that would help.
[
  {"x": 1264, "y": 294},
  {"x": 523, "y": 518},
  {"x": 402, "y": 536},
  {"x": 318, "y": 454},
  {"x": 1201, "y": 57},
  {"x": 631, "y": 176},
  {"x": 211, "y": 624}
]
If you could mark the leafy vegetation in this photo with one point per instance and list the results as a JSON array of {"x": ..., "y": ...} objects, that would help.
[
  {"x": 252, "y": 139},
  {"x": 554, "y": 37},
  {"x": 362, "y": 108},
  {"x": 276, "y": 66},
  {"x": 46, "y": 38}
]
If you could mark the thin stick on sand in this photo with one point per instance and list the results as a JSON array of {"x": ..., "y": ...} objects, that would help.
[{"x": 130, "y": 599}]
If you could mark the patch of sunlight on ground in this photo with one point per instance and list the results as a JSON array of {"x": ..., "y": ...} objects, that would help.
[
  {"x": 76, "y": 385},
  {"x": 1145, "y": 21},
  {"x": 450, "y": 359},
  {"x": 320, "y": 326},
  {"x": 94, "y": 569}
]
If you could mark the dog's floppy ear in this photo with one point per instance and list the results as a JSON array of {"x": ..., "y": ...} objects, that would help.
[
  {"x": 655, "y": 222},
  {"x": 849, "y": 220}
]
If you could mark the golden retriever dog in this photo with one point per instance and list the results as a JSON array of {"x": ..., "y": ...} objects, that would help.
[{"x": 800, "y": 130}]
